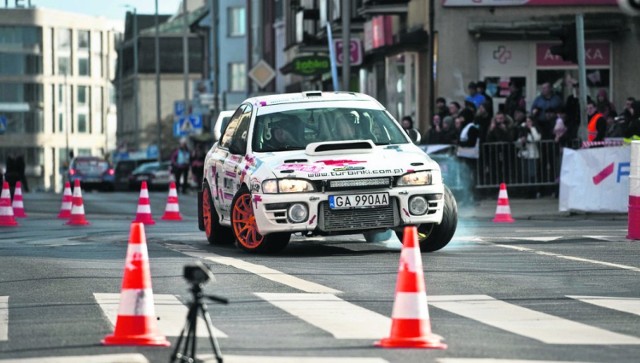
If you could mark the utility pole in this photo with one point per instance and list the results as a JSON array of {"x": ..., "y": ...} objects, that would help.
[
  {"x": 185, "y": 58},
  {"x": 346, "y": 44},
  {"x": 136, "y": 112},
  {"x": 214, "y": 66},
  {"x": 66, "y": 115},
  {"x": 158, "y": 110}
]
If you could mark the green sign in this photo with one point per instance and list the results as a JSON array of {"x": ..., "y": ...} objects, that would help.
[{"x": 310, "y": 65}]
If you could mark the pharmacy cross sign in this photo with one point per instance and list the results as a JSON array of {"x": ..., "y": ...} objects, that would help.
[{"x": 262, "y": 74}]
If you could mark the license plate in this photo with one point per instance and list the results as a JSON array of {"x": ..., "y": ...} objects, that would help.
[
  {"x": 92, "y": 180},
  {"x": 369, "y": 200},
  {"x": 142, "y": 177}
]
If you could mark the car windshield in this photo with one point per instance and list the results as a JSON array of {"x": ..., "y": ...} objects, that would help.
[{"x": 295, "y": 129}]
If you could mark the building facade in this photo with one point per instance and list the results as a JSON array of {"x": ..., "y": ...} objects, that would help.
[
  {"x": 498, "y": 44},
  {"x": 56, "y": 97}
]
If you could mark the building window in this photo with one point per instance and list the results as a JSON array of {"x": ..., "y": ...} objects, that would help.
[
  {"x": 237, "y": 22},
  {"x": 237, "y": 77},
  {"x": 63, "y": 50},
  {"x": 83, "y": 66},
  {"x": 82, "y": 96},
  {"x": 82, "y": 123},
  {"x": 83, "y": 40}
]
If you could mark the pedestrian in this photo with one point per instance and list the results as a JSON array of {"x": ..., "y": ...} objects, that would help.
[
  {"x": 529, "y": 154},
  {"x": 197, "y": 164},
  {"x": 474, "y": 96},
  {"x": 180, "y": 162},
  {"x": 20, "y": 168},
  {"x": 597, "y": 126},
  {"x": 515, "y": 100},
  {"x": 407, "y": 125},
  {"x": 604, "y": 105},
  {"x": 441, "y": 107},
  {"x": 488, "y": 100},
  {"x": 12, "y": 175},
  {"x": 547, "y": 99}
]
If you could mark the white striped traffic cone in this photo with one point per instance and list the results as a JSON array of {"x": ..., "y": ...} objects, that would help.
[
  {"x": 503, "y": 211},
  {"x": 143, "y": 214},
  {"x": 77, "y": 210},
  {"x": 67, "y": 200},
  {"x": 136, "y": 322},
  {"x": 18, "y": 205},
  {"x": 411, "y": 326},
  {"x": 6, "y": 210},
  {"x": 172, "y": 210}
]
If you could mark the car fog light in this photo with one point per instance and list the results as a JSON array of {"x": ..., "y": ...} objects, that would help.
[
  {"x": 298, "y": 213},
  {"x": 418, "y": 205}
]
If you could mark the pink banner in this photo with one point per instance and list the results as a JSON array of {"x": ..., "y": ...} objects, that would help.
[
  {"x": 527, "y": 2},
  {"x": 596, "y": 54}
]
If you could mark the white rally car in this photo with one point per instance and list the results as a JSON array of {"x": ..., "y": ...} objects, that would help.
[{"x": 319, "y": 163}]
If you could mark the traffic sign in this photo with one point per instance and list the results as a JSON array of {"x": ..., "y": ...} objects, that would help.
[
  {"x": 185, "y": 126},
  {"x": 262, "y": 73},
  {"x": 3, "y": 124},
  {"x": 355, "y": 51},
  {"x": 178, "y": 108}
]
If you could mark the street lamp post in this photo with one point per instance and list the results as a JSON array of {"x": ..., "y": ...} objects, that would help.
[{"x": 136, "y": 122}]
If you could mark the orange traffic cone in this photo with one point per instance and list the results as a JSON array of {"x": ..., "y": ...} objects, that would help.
[
  {"x": 144, "y": 208},
  {"x": 6, "y": 210},
  {"x": 18, "y": 205},
  {"x": 411, "y": 327},
  {"x": 136, "y": 322},
  {"x": 503, "y": 211},
  {"x": 67, "y": 200},
  {"x": 77, "y": 210},
  {"x": 172, "y": 210}
]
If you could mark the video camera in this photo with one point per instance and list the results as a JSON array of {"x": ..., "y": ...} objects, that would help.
[{"x": 198, "y": 273}]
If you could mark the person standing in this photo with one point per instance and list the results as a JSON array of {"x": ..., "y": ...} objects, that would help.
[
  {"x": 476, "y": 98},
  {"x": 20, "y": 168},
  {"x": 12, "y": 175},
  {"x": 414, "y": 134},
  {"x": 546, "y": 100},
  {"x": 488, "y": 100},
  {"x": 597, "y": 126},
  {"x": 180, "y": 162},
  {"x": 197, "y": 164}
]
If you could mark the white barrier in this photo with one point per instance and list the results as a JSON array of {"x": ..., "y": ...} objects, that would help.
[{"x": 595, "y": 180}]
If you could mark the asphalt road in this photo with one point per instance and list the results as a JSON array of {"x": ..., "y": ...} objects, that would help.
[{"x": 547, "y": 289}]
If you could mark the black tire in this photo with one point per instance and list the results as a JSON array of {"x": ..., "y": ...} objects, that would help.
[
  {"x": 433, "y": 236},
  {"x": 246, "y": 232},
  {"x": 215, "y": 232}
]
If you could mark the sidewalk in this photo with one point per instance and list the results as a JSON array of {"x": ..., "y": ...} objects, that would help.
[{"x": 529, "y": 209}]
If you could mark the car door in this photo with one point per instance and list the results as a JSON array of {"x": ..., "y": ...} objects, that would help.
[{"x": 233, "y": 146}]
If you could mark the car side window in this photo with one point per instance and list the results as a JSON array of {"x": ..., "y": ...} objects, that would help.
[
  {"x": 225, "y": 142},
  {"x": 239, "y": 139}
]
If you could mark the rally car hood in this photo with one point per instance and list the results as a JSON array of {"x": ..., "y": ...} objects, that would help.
[{"x": 345, "y": 159}]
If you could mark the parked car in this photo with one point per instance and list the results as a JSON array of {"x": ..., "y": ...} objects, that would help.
[
  {"x": 221, "y": 123},
  {"x": 156, "y": 174},
  {"x": 319, "y": 163},
  {"x": 123, "y": 170},
  {"x": 93, "y": 173}
]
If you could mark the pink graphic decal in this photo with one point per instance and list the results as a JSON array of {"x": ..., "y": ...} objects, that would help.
[
  {"x": 340, "y": 162},
  {"x": 410, "y": 170},
  {"x": 228, "y": 196},
  {"x": 305, "y": 168},
  {"x": 256, "y": 200},
  {"x": 406, "y": 212},
  {"x": 235, "y": 158},
  {"x": 312, "y": 219},
  {"x": 230, "y": 174},
  {"x": 602, "y": 175}
]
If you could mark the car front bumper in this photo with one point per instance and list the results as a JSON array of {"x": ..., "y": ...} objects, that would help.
[{"x": 271, "y": 211}]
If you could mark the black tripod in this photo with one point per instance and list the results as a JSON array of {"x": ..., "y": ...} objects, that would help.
[{"x": 189, "y": 330}]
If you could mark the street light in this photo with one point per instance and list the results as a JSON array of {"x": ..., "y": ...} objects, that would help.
[{"x": 157, "y": 61}]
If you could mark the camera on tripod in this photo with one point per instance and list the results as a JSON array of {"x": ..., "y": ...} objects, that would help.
[{"x": 197, "y": 274}]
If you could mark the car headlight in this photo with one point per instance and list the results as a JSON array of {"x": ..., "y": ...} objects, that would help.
[
  {"x": 273, "y": 186},
  {"x": 417, "y": 178}
]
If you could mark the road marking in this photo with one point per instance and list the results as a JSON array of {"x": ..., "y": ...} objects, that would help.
[
  {"x": 537, "y": 239},
  {"x": 170, "y": 311},
  {"x": 565, "y": 257},
  {"x": 493, "y": 360},
  {"x": 340, "y": 318},
  {"x": 608, "y": 238},
  {"x": 262, "y": 271},
  {"x": 102, "y": 358},
  {"x": 4, "y": 318},
  {"x": 625, "y": 304},
  {"x": 526, "y": 322},
  {"x": 209, "y": 358}
]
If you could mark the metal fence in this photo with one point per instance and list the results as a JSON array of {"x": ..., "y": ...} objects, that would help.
[{"x": 502, "y": 162}]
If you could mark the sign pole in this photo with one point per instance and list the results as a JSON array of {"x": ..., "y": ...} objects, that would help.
[
  {"x": 346, "y": 44},
  {"x": 582, "y": 77},
  {"x": 332, "y": 58}
]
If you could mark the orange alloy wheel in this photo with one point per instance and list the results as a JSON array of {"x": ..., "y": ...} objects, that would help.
[
  {"x": 207, "y": 218},
  {"x": 244, "y": 223}
]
